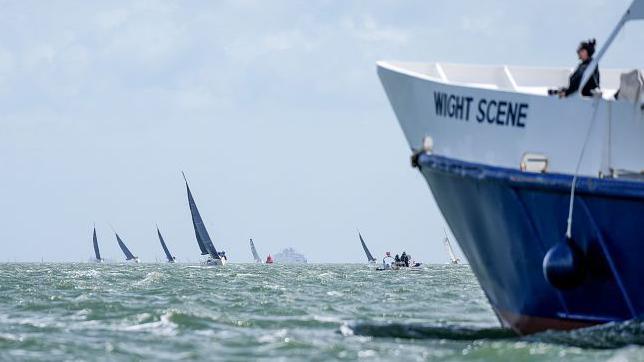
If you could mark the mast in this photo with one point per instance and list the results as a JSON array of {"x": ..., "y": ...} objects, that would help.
[
  {"x": 370, "y": 257},
  {"x": 254, "y": 251},
  {"x": 165, "y": 248},
  {"x": 97, "y": 252},
  {"x": 126, "y": 251},
  {"x": 203, "y": 238}
]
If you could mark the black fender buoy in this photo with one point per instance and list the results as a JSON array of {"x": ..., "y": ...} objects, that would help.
[{"x": 564, "y": 265}]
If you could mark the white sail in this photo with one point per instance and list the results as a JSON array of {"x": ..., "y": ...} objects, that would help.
[
  {"x": 453, "y": 258},
  {"x": 254, "y": 251}
]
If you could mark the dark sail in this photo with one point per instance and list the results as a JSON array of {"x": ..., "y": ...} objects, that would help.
[
  {"x": 126, "y": 251},
  {"x": 96, "y": 251},
  {"x": 254, "y": 251},
  {"x": 165, "y": 248},
  {"x": 366, "y": 250},
  {"x": 203, "y": 239}
]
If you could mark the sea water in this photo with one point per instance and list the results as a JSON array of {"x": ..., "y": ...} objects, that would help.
[{"x": 245, "y": 312}]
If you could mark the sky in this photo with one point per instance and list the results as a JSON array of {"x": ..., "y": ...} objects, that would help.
[{"x": 273, "y": 109}]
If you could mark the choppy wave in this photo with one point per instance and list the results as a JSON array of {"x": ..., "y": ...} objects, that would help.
[
  {"x": 286, "y": 312},
  {"x": 605, "y": 336}
]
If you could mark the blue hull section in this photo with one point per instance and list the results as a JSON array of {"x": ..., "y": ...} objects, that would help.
[{"x": 506, "y": 220}]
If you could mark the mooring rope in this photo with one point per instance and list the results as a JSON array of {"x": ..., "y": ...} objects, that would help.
[{"x": 581, "y": 157}]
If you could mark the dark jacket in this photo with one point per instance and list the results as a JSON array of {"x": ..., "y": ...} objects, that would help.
[
  {"x": 577, "y": 75},
  {"x": 405, "y": 259}
]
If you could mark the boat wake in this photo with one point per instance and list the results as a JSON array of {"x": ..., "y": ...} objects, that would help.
[
  {"x": 424, "y": 331},
  {"x": 606, "y": 336}
]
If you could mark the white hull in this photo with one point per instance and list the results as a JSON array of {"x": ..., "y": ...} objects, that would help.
[
  {"x": 216, "y": 262},
  {"x": 465, "y": 122}
]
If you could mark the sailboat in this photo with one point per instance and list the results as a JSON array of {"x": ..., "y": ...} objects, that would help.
[
  {"x": 128, "y": 254},
  {"x": 97, "y": 252},
  {"x": 169, "y": 256},
  {"x": 370, "y": 257},
  {"x": 203, "y": 239},
  {"x": 452, "y": 257},
  {"x": 254, "y": 251}
]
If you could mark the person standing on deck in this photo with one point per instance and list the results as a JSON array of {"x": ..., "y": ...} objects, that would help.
[{"x": 585, "y": 53}]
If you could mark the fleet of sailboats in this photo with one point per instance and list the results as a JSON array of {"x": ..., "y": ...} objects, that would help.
[
  {"x": 203, "y": 239},
  {"x": 219, "y": 258},
  {"x": 207, "y": 248}
]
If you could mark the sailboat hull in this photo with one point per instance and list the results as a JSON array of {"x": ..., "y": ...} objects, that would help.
[
  {"x": 506, "y": 221},
  {"x": 216, "y": 262}
]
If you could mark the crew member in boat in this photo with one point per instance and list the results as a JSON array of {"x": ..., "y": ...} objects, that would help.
[{"x": 585, "y": 53}]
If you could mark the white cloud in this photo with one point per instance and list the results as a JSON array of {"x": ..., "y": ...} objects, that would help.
[
  {"x": 366, "y": 28},
  {"x": 285, "y": 40},
  {"x": 7, "y": 64}
]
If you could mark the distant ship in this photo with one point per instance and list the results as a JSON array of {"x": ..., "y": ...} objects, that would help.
[
  {"x": 508, "y": 164},
  {"x": 97, "y": 253},
  {"x": 128, "y": 254},
  {"x": 289, "y": 256},
  {"x": 171, "y": 259},
  {"x": 370, "y": 257},
  {"x": 206, "y": 246},
  {"x": 453, "y": 259}
]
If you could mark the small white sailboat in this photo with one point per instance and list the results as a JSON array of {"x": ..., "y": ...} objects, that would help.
[
  {"x": 453, "y": 259},
  {"x": 206, "y": 246}
]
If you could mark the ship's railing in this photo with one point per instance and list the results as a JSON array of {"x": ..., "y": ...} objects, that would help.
[{"x": 523, "y": 79}]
